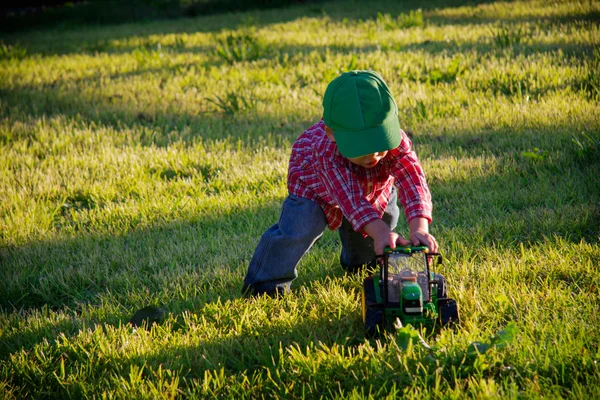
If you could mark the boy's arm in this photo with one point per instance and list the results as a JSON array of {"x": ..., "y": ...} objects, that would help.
[
  {"x": 383, "y": 236},
  {"x": 419, "y": 234},
  {"x": 413, "y": 191},
  {"x": 414, "y": 194}
]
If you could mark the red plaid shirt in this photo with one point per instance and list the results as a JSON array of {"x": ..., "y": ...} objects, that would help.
[{"x": 317, "y": 171}]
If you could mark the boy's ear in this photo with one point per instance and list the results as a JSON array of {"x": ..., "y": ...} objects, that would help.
[{"x": 329, "y": 133}]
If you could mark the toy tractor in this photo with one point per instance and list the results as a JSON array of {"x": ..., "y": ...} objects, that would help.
[{"x": 407, "y": 289}]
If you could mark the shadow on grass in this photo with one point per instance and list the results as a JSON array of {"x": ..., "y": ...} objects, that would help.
[
  {"x": 157, "y": 128},
  {"x": 226, "y": 19},
  {"x": 73, "y": 272},
  {"x": 95, "y": 279},
  {"x": 77, "y": 44},
  {"x": 235, "y": 348}
]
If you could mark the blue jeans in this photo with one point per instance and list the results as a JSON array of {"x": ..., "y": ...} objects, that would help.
[{"x": 273, "y": 265}]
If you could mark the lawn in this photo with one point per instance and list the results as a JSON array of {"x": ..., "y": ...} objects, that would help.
[{"x": 140, "y": 163}]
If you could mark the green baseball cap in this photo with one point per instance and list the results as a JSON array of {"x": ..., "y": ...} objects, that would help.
[{"x": 360, "y": 109}]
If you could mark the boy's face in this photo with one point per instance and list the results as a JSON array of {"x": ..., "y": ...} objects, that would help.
[
  {"x": 369, "y": 160},
  {"x": 366, "y": 161}
]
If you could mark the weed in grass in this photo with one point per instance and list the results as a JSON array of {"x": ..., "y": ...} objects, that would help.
[
  {"x": 241, "y": 46},
  {"x": 12, "y": 51},
  {"x": 508, "y": 35},
  {"x": 403, "y": 21},
  {"x": 233, "y": 103},
  {"x": 413, "y": 19}
]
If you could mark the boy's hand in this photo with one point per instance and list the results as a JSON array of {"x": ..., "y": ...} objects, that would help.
[
  {"x": 419, "y": 234},
  {"x": 383, "y": 236}
]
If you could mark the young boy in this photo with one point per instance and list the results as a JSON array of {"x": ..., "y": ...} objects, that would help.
[{"x": 346, "y": 172}]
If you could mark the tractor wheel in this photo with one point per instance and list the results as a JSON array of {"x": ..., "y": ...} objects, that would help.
[
  {"x": 448, "y": 312},
  {"x": 441, "y": 286},
  {"x": 372, "y": 312},
  {"x": 373, "y": 321}
]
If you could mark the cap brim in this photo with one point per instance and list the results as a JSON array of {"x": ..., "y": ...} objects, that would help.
[{"x": 384, "y": 137}]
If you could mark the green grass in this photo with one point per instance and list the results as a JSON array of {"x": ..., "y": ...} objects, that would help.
[{"x": 140, "y": 163}]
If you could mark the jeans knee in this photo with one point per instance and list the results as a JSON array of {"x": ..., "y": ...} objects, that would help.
[{"x": 302, "y": 219}]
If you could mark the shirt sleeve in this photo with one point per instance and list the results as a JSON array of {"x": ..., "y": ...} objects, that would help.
[
  {"x": 413, "y": 191},
  {"x": 347, "y": 193}
]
